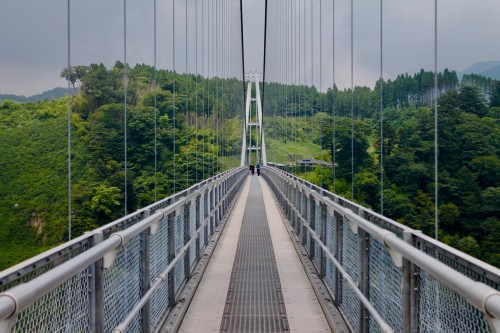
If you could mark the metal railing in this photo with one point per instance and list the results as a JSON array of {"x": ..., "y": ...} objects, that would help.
[
  {"x": 123, "y": 276},
  {"x": 383, "y": 276}
]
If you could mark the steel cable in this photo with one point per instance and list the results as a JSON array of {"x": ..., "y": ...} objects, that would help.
[
  {"x": 125, "y": 100},
  {"x": 68, "y": 77}
]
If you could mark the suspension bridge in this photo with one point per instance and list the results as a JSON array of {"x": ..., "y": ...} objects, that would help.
[{"x": 234, "y": 252}]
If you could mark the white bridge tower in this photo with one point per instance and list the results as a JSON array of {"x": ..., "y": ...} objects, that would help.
[{"x": 253, "y": 147}]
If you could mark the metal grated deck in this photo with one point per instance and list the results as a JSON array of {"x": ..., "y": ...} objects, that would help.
[{"x": 254, "y": 301}]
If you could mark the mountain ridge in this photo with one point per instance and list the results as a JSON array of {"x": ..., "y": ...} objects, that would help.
[
  {"x": 489, "y": 69},
  {"x": 51, "y": 94}
]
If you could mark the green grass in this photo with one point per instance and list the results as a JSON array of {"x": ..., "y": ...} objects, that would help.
[
  {"x": 229, "y": 162},
  {"x": 280, "y": 152}
]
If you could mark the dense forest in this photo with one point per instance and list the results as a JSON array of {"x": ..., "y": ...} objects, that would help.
[
  {"x": 469, "y": 147},
  {"x": 198, "y": 134}
]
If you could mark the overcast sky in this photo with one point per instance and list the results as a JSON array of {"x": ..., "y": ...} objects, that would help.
[{"x": 33, "y": 40}]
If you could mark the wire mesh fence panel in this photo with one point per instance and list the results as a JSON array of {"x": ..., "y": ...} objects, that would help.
[
  {"x": 158, "y": 262},
  {"x": 64, "y": 309},
  {"x": 192, "y": 231},
  {"x": 443, "y": 310},
  {"x": 202, "y": 220},
  {"x": 317, "y": 229},
  {"x": 159, "y": 306},
  {"x": 350, "y": 261},
  {"x": 179, "y": 243},
  {"x": 122, "y": 286},
  {"x": 331, "y": 243},
  {"x": 308, "y": 222},
  {"x": 68, "y": 253},
  {"x": 463, "y": 266},
  {"x": 386, "y": 287},
  {"x": 349, "y": 204}
]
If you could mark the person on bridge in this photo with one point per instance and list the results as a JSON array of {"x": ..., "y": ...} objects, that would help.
[
  {"x": 252, "y": 169},
  {"x": 258, "y": 169}
]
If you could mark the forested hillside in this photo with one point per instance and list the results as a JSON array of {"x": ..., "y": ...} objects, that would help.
[
  {"x": 198, "y": 136},
  {"x": 469, "y": 151}
]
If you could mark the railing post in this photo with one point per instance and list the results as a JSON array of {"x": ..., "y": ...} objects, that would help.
[
  {"x": 226, "y": 197},
  {"x": 213, "y": 196},
  {"x": 294, "y": 200},
  {"x": 286, "y": 207},
  {"x": 216, "y": 204},
  {"x": 187, "y": 236},
  {"x": 303, "y": 230},
  {"x": 144, "y": 273},
  {"x": 322, "y": 236},
  {"x": 312, "y": 221},
  {"x": 364, "y": 276},
  {"x": 198, "y": 224},
  {"x": 97, "y": 289},
  {"x": 338, "y": 256},
  {"x": 171, "y": 255},
  {"x": 410, "y": 294},
  {"x": 206, "y": 196}
]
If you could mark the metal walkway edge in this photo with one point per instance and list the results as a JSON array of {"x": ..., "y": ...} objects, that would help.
[{"x": 255, "y": 230}]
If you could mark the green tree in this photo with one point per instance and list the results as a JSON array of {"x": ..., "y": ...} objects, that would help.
[{"x": 495, "y": 95}]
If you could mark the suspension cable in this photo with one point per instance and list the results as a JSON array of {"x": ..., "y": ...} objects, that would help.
[
  {"x": 186, "y": 104},
  {"x": 352, "y": 99},
  {"x": 334, "y": 144},
  {"x": 321, "y": 85},
  {"x": 68, "y": 77},
  {"x": 173, "y": 96},
  {"x": 436, "y": 147},
  {"x": 125, "y": 98},
  {"x": 312, "y": 64},
  {"x": 381, "y": 80},
  {"x": 205, "y": 81},
  {"x": 155, "y": 84},
  {"x": 265, "y": 50},
  {"x": 196, "y": 92}
]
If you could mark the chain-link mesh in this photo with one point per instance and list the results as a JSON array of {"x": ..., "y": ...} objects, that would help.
[
  {"x": 192, "y": 231},
  {"x": 350, "y": 262},
  {"x": 122, "y": 286},
  {"x": 462, "y": 266},
  {"x": 308, "y": 214},
  {"x": 71, "y": 252},
  {"x": 65, "y": 309},
  {"x": 331, "y": 243},
  {"x": 179, "y": 243},
  {"x": 317, "y": 229},
  {"x": 202, "y": 220},
  {"x": 386, "y": 287},
  {"x": 348, "y": 204},
  {"x": 443, "y": 310},
  {"x": 158, "y": 261}
]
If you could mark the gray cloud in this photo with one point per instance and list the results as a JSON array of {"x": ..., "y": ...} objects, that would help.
[{"x": 33, "y": 38}]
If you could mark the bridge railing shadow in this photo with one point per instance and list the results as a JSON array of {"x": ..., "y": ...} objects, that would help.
[
  {"x": 382, "y": 275},
  {"x": 128, "y": 272}
]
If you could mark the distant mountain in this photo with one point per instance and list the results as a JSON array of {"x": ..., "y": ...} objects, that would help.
[
  {"x": 494, "y": 73},
  {"x": 485, "y": 68},
  {"x": 52, "y": 94}
]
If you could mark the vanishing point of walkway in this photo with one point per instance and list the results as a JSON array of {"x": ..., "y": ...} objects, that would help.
[{"x": 255, "y": 281}]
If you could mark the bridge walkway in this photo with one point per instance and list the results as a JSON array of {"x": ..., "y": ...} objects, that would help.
[{"x": 255, "y": 281}]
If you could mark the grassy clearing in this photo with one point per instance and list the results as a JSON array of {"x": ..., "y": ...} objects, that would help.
[{"x": 280, "y": 152}]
